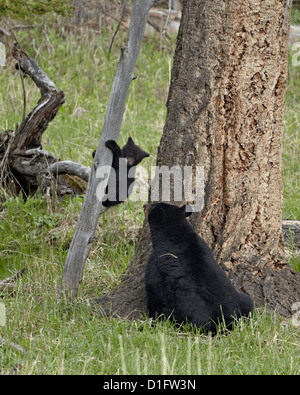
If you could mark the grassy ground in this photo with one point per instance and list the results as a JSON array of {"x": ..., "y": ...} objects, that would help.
[
  {"x": 291, "y": 146},
  {"x": 36, "y": 234}
]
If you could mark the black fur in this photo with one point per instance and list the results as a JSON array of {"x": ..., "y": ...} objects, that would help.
[{"x": 183, "y": 280}]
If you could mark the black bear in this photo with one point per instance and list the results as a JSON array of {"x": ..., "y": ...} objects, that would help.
[
  {"x": 131, "y": 155},
  {"x": 183, "y": 280}
]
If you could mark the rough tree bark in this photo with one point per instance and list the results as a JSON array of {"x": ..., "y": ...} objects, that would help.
[
  {"x": 91, "y": 208},
  {"x": 225, "y": 112}
]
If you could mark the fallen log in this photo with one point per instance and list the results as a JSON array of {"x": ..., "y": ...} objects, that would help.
[{"x": 12, "y": 278}]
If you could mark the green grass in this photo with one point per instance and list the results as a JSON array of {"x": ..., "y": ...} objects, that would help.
[
  {"x": 291, "y": 146},
  {"x": 60, "y": 343},
  {"x": 37, "y": 234}
]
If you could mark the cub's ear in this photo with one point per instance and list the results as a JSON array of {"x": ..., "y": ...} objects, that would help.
[
  {"x": 187, "y": 209},
  {"x": 145, "y": 154},
  {"x": 130, "y": 141}
]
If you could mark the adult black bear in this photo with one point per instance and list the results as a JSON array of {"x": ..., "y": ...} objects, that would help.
[
  {"x": 183, "y": 280},
  {"x": 131, "y": 155}
]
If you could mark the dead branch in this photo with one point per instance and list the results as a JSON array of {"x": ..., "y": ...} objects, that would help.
[
  {"x": 25, "y": 166},
  {"x": 21, "y": 154},
  {"x": 8, "y": 283},
  {"x": 119, "y": 24},
  {"x": 31, "y": 68},
  {"x": 12, "y": 278},
  {"x": 4, "y": 32},
  {"x": 23, "y": 27},
  {"x": 70, "y": 168},
  {"x": 30, "y": 132},
  {"x": 36, "y": 151},
  {"x": 167, "y": 20}
]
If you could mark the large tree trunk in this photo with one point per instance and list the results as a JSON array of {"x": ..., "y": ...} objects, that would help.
[{"x": 225, "y": 112}]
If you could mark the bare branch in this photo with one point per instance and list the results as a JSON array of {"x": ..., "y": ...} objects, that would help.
[
  {"x": 12, "y": 278},
  {"x": 24, "y": 95},
  {"x": 23, "y": 27},
  {"x": 31, "y": 130},
  {"x": 30, "y": 67},
  {"x": 70, "y": 168},
  {"x": 3, "y": 31},
  {"x": 167, "y": 20},
  {"x": 8, "y": 283},
  {"x": 37, "y": 151},
  {"x": 119, "y": 24}
]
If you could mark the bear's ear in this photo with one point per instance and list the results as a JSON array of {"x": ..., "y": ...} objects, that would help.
[
  {"x": 130, "y": 141},
  {"x": 187, "y": 209}
]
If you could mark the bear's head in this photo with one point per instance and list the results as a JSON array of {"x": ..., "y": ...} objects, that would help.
[
  {"x": 160, "y": 213},
  {"x": 133, "y": 153}
]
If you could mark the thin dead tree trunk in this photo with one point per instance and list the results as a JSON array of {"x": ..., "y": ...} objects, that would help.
[
  {"x": 24, "y": 164},
  {"x": 84, "y": 234},
  {"x": 29, "y": 134},
  {"x": 225, "y": 112}
]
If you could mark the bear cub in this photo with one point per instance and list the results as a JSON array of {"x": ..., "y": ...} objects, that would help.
[
  {"x": 183, "y": 280},
  {"x": 131, "y": 155}
]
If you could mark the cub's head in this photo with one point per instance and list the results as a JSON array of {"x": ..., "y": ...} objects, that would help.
[{"x": 133, "y": 153}]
